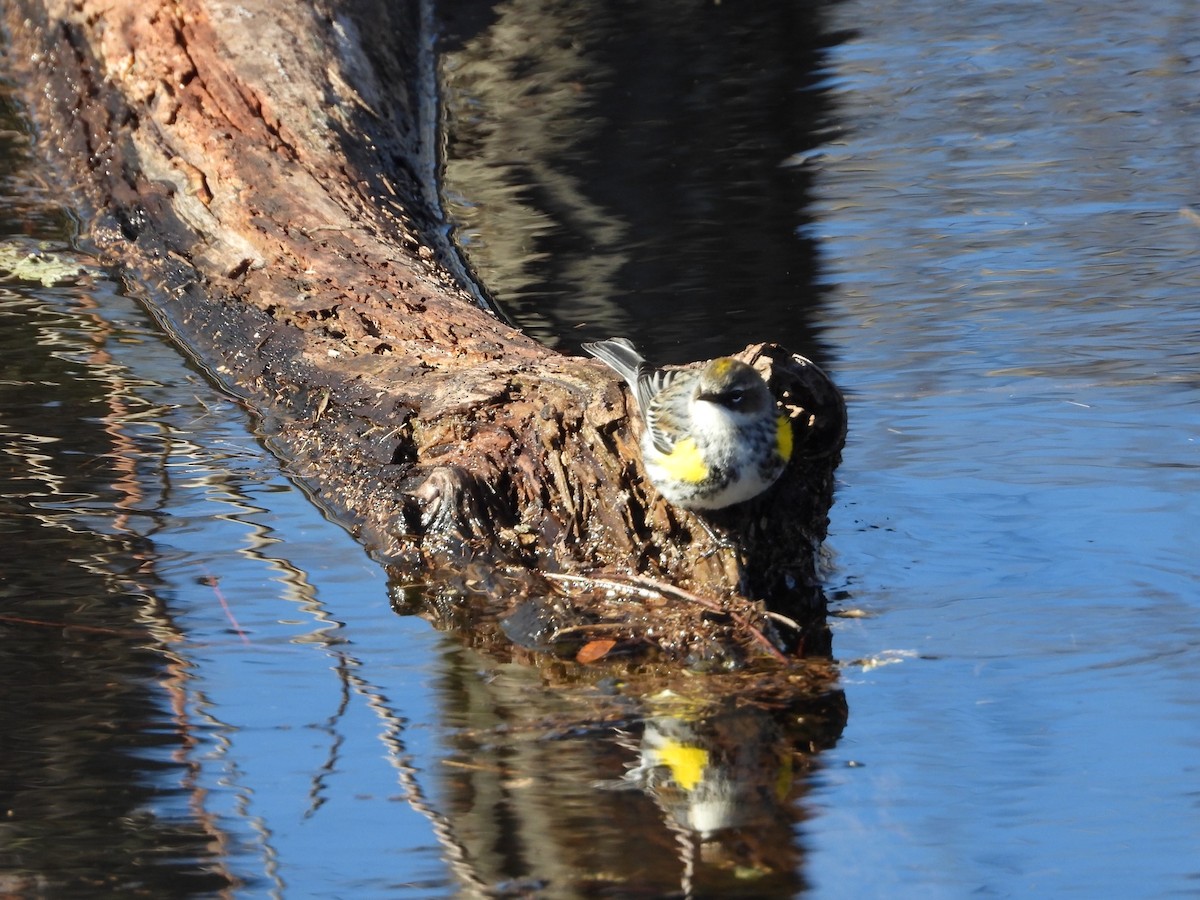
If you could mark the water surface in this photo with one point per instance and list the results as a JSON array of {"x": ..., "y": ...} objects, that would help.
[
  {"x": 989, "y": 215},
  {"x": 1009, "y": 222},
  {"x": 981, "y": 219}
]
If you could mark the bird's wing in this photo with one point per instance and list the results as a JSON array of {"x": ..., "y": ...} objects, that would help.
[{"x": 662, "y": 420}]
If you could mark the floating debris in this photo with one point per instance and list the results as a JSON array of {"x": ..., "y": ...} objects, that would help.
[{"x": 41, "y": 262}]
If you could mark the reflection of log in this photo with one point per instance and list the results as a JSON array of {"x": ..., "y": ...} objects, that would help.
[
  {"x": 262, "y": 167},
  {"x": 700, "y": 782},
  {"x": 88, "y": 639}
]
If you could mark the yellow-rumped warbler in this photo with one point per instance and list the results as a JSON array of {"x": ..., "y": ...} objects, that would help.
[{"x": 714, "y": 435}]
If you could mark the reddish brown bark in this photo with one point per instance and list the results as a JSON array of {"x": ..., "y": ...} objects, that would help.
[{"x": 252, "y": 165}]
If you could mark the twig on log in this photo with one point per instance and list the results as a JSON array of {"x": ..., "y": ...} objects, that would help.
[{"x": 652, "y": 588}]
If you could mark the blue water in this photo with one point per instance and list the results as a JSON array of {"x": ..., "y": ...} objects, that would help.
[
  {"x": 1008, "y": 223},
  {"x": 981, "y": 219}
]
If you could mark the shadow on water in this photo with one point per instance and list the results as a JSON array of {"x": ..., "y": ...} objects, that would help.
[{"x": 638, "y": 169}]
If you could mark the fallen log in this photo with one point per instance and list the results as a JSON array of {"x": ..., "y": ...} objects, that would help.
[{"x": 262, "y": 172}]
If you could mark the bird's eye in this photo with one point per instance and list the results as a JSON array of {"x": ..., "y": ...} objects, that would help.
[{"x": 735, "y": 398}]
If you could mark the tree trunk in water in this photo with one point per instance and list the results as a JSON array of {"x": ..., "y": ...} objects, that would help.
[{"x": 264, "y": 171}]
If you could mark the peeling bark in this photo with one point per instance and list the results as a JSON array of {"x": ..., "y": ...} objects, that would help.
[{"x": 263, "y": 172}]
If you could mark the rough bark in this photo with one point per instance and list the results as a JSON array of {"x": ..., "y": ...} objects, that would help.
[{"x": 262, "y": 170}]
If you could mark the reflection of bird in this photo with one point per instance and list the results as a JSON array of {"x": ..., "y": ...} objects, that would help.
[
  {"x": 714, "y": 435},
  {"x": 712, "y": 775}
]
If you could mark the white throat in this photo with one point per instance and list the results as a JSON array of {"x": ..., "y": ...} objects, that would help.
[{"x": 715, "y": 420}]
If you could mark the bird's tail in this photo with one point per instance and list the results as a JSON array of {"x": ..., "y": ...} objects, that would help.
[{"x": 620, "y": 354}]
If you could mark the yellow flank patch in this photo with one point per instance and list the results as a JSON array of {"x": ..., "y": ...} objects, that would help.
[
  {"x": 784, "y": 437},
  {"x": 684, "y": 462},
  {"x": 686, "y": 763}
]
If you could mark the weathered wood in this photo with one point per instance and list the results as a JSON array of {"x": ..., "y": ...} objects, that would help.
[{"x": 261, "y": 169}]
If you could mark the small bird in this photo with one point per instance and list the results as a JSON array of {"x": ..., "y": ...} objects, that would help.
[{"x": 714, "y": 435}]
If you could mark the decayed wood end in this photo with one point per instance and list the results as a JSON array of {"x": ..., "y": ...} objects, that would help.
[{"x": 254, "y": 164}]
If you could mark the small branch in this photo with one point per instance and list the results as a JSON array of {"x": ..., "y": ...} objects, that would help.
[
  {"x": 211, "y": 581},
  {"x": 650, "y": 587}
]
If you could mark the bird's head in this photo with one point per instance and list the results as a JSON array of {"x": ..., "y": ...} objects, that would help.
[{"x": 733, "y": 387}]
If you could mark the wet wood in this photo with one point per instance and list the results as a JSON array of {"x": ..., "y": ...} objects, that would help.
[{"x": 262, "y": 171}]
